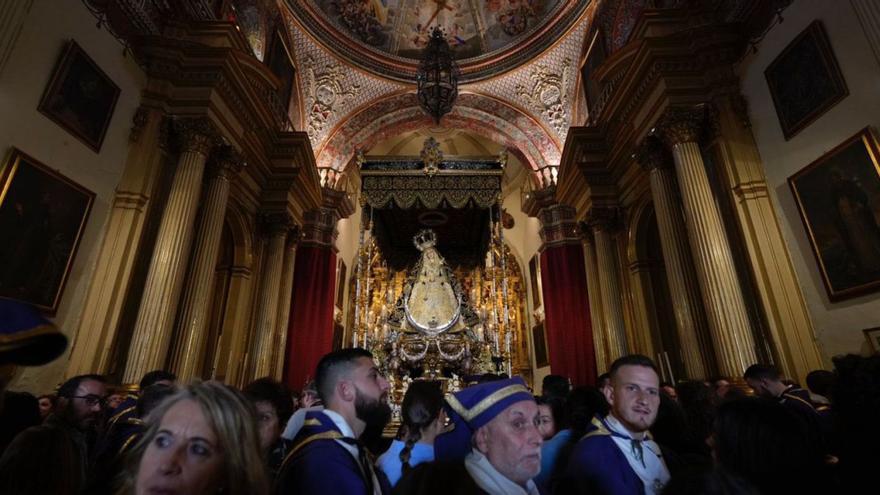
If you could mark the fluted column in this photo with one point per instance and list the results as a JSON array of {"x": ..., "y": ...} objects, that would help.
[
  {"x": 602, "y": 221},
  {"x": 690, "y": 317},
  {"x": 12, "y": 17},
  {"x": 152, "y": 330},
  {"x": 594, "y": 296},
  {"x": 285, "y": 295},
  {"x": 276, "y": 226},
  {"x": 722, "y": 295},
  {"x": 868, "y": 12},
  {"x": 189, "y": 346}
]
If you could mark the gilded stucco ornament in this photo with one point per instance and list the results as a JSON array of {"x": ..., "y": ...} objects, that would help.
[
  {"x": 327, "y": 93},
  {"x": 547, "y": 94}
]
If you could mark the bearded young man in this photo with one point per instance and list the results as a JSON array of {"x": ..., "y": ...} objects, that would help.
[
  {"x": 326, "y": 455},
  {"x": 617, "y": 455}
]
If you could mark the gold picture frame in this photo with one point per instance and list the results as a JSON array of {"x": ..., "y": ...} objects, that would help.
[
  {"x": 42, "y": 218},
  {"x": 838, "y": 197}
]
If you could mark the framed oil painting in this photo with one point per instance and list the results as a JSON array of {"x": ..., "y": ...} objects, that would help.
[
  {"x": 42, "y": 217},
  {"x": 539, "y": 340},
  {"x": 535, "y": 279},
  {"x": 838, "y": 196},
  {"x": 805, "y": 80},
  {"x": 80, "y": 97},
  {"x": 873, "y": 336}
]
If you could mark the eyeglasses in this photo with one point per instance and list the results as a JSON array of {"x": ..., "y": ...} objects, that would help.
[{"x": 91, "y": 400}]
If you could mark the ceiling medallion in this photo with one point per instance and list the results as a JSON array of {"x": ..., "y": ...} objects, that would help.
[{"x": 437, "y": 77}]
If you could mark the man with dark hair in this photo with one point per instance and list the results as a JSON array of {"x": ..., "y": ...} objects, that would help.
[
  {"x": 617, "y": 455},
  {"x": 79, "y": 414},
  {"x": 603, "y": 381},
  {"x": 766, "y": 381},
  {"x": 154, "y": 377},
  {"x": 326, "y": 455},
  {"x": 820, "y": 383},
  {"x": 555, "y": 387}
]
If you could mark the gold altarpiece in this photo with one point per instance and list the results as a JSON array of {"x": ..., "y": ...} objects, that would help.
[{"x": 432, "y": 320}]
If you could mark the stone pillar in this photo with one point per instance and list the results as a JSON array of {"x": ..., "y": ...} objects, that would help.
[
  {"x": 285, "y": 297},
  {"x": 690, "y": 317},
  {"x": 189, "y": 346},
  {"x": 276, "y": 226},
  {"x": 152, "y": 330},
  {"x": 722, "y": 295},
  {"x": 602, "y": 223},
  {"x": 595, "y": 297}
]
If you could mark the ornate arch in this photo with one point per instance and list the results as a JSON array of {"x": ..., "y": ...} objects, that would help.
[{"x": 479, "y": 114}]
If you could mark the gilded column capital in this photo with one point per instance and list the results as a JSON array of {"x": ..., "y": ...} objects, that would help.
[
  {"x": 603, "y": 219},
  {"x": 681, "y": 124},
  {"x": 225, "y": 161},
  {"x": 195, "y": 134},
  {"x": 275, "y": 223},
  {"x": 651, "y": 154}
]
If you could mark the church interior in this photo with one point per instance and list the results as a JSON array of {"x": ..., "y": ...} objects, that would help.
[{"x": 230, "y": 189}]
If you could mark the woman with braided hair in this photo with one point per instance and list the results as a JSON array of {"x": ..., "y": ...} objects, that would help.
[{"x": 422, "y": 419}]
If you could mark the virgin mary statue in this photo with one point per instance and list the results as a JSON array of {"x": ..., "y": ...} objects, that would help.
[{"x": 432, "y": 305}]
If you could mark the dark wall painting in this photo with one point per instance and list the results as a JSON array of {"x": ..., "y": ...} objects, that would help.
[
  {"x": 42, "y": 217},
  {"x": 838, "y": 196},
  {"x": 805, "y": 80},
  {"x": 539, "y": 340},
  {"x": 80, "y": 97}
]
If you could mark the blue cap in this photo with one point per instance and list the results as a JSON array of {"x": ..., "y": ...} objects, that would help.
[
  {"x": 26, "y": 338},
  {"x": 474, "y": 407}
]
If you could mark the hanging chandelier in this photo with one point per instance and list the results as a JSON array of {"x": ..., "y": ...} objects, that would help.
[{"x": 437, "y": 78}]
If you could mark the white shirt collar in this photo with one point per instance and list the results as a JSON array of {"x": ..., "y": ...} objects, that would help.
[
  {"x": 651, "y": 468},
  {"x": 340, "y": 423},
  {"x": 489, "y": 479}
]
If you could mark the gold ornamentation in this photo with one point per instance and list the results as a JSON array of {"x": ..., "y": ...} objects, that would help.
[
  {"x": 548, "y": 94},
  {"x": 197, "y": 135},
  {"x": 405, "y": 191},
  {"x": 431, "y": 156}
]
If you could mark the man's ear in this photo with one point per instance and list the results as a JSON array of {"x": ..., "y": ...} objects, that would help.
[
  {"x": 481, "y": 439},
  {"x": 608, "y": 391},
  {"x": 345, "y": 390}
]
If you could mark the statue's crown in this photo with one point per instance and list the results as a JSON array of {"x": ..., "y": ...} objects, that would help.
[{"x": 425, "y": 239}]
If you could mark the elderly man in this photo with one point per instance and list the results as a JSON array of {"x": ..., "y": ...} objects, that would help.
[
  {"x": 617, "y": 455},
  {"x": 326, "y": 455},
  {"x": 497, "y": 424}
]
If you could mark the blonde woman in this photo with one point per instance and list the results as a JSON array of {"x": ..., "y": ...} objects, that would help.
[{"x": 201, "y": 440}]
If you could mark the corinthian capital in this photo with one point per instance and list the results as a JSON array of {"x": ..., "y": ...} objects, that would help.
[
  {"x": 603, "y": 219},
  {"x": 196, "y": 134},
  {"x": 651, "y": 154},
  {"x": 681, "y": 124},
  {"x": 225, "y": 161},
  {"x": 275, "y": 223}
]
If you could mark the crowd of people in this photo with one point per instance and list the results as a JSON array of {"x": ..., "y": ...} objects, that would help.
[{"x": 628, "y": 434}]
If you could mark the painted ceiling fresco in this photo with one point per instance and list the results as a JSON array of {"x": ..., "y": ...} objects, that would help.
[{"x": 473, "y": 27}]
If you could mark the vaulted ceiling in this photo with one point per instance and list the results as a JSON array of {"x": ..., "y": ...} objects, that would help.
[{"x": 520, "y": 62}]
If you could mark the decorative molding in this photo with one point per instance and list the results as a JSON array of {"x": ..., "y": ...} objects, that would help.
[
  {"x": 604, "y": 219},
  {"x": 225, "y": 161},
  {"x": 868, "y": 13},
  {"x": 327, "y": 92},
  {"x": 431, "y": 156},
  {"x": 548, "y": 95},
  {"x": 274, "y": 223}
]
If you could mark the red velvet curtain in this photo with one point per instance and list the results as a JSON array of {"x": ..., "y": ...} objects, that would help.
[
  {"x": 567, "y": 314},
  {"x": 310, "y": 331}
]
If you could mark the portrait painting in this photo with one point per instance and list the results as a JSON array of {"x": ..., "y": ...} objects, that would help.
[
  {"x": 873, "y": 337},
  {"x": 539, "y": 340},
  {"x": 805, "y": 80},
  {"x": 535, "y": 279},
  {"x": 838, "y": 196},
  {"x": 80, "y": 97},
  {"x": 42, "y": 217}
]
